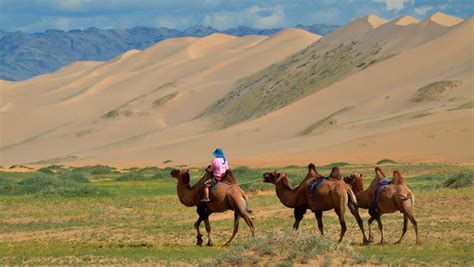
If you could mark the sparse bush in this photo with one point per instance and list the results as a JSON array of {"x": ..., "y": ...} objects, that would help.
[
  {"x": 289, "y": 247},
  {"x": 386, "y": 161},
  {"x": 433, "y": 91},
  {"x": 97, "y": 169},
  {"x": 461, "y": 179}
]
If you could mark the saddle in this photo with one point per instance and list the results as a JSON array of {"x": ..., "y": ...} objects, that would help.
[
  {"x": 380, "y": 186},
  {"x": 315, "y": 184}
]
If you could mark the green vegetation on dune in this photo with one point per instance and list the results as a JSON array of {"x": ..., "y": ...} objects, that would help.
[
  {"x": 326, "y": 122},
  {"x": 163, "y": 100},
  {"x": 467, "y": 105},
  {"x": 121, "y": 110},
  {"x": 299, "y": 75},
  {"x": 386, "y": 161},
  {"x": 434, "y": 90}
]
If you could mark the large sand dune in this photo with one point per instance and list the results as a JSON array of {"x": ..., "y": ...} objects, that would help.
[{"x": 146, "y": 107}]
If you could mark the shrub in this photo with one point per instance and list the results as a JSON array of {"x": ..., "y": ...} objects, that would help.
[
  {"x": 461, "y": 179},
  {"x": 161, "y": 174},
  {"x": 97, "y": 169},
  {"x": 386, "y": 161},
  {"x": 131, "y": 176},
  {"x": 39, "y": 184},
  {"x": 74, "y": 177}
]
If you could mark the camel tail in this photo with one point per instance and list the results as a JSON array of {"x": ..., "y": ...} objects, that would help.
[{"x": 351, "y": 195}]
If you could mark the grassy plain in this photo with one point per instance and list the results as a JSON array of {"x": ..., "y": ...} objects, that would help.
[{"x": 136, "y": 218}]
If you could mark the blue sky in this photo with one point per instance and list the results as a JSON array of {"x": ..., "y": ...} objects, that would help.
[{"x": 39, "y": 15}]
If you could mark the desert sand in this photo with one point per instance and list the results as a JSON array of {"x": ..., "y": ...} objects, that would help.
[{"x": 144, "y": 107}]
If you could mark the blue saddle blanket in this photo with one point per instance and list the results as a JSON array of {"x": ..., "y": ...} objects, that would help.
[
  {"x": 214, "y": 186},
  {"x": 315, "y": 184},
  {"x": 380, "y": 186}
]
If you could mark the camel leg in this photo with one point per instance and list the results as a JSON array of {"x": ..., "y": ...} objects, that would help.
[
  {"x": 415, "y": 226},
  {"x": 236, "y": 228},
  {"x": 199, "y": 235},
  {"x": 404, "y": 230},
  {"x": 379, "y": 222},
  {"x": 355, "y": 212},
  {"x": 319, "y": 217},
  {"x": 248, "y": 221},
  {"x": 208, "y": 229},
  {"x": 342, "y": 222},
  {"x": 299, "y": 214},
  {"x": 371, "y": 235}
]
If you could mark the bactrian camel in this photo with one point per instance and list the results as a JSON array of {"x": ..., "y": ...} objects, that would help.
[{"x": 226, "y": 195}]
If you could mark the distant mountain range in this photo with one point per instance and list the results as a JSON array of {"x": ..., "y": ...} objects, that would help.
[{"x": 24, "y": 55}]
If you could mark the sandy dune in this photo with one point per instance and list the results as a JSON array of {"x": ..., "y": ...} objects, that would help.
[{"x": 144, "y": 107}]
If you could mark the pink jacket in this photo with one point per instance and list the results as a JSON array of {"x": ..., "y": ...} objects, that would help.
[{"x": 218, "y": 167}]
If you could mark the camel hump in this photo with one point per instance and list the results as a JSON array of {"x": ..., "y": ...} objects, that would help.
[
  {"x": 229, "y": 177},
  {"x": 312, "y": 169},
  {"x": 397, "y": 178}
]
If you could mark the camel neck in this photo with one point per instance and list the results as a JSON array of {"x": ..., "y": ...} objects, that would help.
[
  {"x": 186, "y": 192},
  {"x": 286, "y": 193}
]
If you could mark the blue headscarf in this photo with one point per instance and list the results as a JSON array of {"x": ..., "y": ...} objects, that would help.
[{"x": 219, "y": 153}]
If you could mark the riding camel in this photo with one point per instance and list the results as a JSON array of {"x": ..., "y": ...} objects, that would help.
[
  {"x": 389, "y": 198},
  {"x": 330, "y": 193},
  {"x": 226, "y": 195}
]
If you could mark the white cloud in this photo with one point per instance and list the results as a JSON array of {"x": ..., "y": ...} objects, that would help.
[
  {"x": 255, "y": 16},
  {"x": 395, "y": 5},
  {"x": 422, "y": 10}
]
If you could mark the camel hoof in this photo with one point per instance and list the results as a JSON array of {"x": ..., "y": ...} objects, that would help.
[
  {"x": 382, "y": 243},
  {"x": 199, "y": 242},
  {"x": 365, "y": 242},
  {"x": 418, "y": 243},
  {"x": 209, "y": 244}
]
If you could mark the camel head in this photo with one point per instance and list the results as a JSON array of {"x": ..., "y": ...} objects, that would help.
[
  {"x": 350, "y": 180},
  {"x": 178, "y": 173},
  {"x": 273, "y": 177},
  {"x": 335, "y": 173}
]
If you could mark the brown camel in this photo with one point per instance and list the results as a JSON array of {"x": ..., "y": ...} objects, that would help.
[
  {"x": 330, "y": 194},
  {"x": 227, "y": 195},
  {"x": 394, "y": 197}
]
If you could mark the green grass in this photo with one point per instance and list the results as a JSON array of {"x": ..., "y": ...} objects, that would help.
[
  {"x": 434, "y": 91},
  {"x": 163, "y": 100},
  {"x": 143, "y": 222},
  {"x": 131, "y": 176},
  {"x": 467, "y": 105},
  {"x": 283, "y": 83}
]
